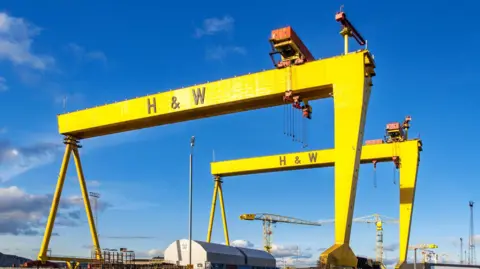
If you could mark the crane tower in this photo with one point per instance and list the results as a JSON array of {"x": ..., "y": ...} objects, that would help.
[
  {"x": 379, "y": 221},
  {"x": 271, "y": 219}
]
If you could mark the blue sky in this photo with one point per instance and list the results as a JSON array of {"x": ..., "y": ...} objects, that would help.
[{"x": 97, "y": 52}]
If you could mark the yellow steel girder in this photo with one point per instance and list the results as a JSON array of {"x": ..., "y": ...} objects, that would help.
[
  {"x": 313, "y": 80},
  {"x": 407, "y": 153},
  {"x": 346, "y": 78}
]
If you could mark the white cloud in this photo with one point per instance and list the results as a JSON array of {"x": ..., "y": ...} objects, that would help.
[
  {"x": 78, "y": 200},
  {"x": 221, "y": 52},
  {"x": 242, "y": 243},
  {"x": 16, "y": 39},
  {"x": 391, "y": 247},
  {"x": 3, "y": 84},
  {"x": 15, "y": 160},
  {"x": 150, "y": 253},
  {"x": 22, "y": 213},
  {"x": 155, "y": 252},
  {"x": 281, "y": 251},
  {"x": 85, "y": 55},
  {"x": 212, "y": 26},
  {"x": 93, "y": 183},
  {"x": 60, "y": 97}
]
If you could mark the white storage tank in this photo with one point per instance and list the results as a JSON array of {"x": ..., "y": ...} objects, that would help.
[{"x": 218, "y": 256}]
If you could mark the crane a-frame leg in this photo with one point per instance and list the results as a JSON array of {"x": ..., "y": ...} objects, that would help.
[
  {"x": 351, "y": 98},
  {"x": 217, "y": 189},
  {"x": 71, "y": 146},
  {"x": 408, "y": 183}
]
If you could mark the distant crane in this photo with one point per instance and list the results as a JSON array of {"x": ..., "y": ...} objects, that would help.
[
  {"x": 271, "y": 219},
  {"x": 421, "y": 247},
  {"x": 379, "y": 220}
]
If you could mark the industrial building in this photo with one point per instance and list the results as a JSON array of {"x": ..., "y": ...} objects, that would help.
[{"x": 218, "y": 256}]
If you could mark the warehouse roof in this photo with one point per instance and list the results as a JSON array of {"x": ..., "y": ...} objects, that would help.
[{"x": 219, "y": 248}]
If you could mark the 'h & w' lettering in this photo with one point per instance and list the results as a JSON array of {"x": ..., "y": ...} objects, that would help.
[
  {"x": 313, "y": 157},
  {"x": 199, "y": 95},
  {"x": 283, "y": 160},
  {"x": 152, "y": 104}
]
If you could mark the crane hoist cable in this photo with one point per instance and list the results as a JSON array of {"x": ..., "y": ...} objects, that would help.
[{"x": 292, "y": 51}]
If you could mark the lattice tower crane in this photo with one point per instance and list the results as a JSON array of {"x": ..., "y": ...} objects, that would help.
[
  {"x": 270, "y": 219},
  {"x": 421, "y": 247},
  {"x": 379, "y": 220}
]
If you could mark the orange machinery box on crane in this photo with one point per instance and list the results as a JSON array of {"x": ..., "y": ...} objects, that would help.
[
  {"x": 287, "y": 33},
  {"x": 393, "y": 126}
]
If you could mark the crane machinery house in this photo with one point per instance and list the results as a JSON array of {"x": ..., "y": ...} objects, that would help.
[{"x": 217, "y": 256}]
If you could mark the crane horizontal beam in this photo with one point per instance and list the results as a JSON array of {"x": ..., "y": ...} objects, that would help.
[
  {"x": 277, "y": 218},
  {"x": 312, "y": 80},
  {"x": 306, "y": 160}
]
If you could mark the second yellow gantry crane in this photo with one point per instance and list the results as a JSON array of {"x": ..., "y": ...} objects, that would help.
[{"x": 271, "y": 219}]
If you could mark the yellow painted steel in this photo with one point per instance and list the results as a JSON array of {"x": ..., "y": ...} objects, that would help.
[
  {"x": 42, "y": 255},
  {"x": 305, "y": 160},
  {"x": 346, "y": 78},
  {"x": 224, "y": 216},
  {"x": 408, "y": 183},
  {"x": 312, "y": 80},
  {"x": 217, "y": 190},
  {"x": 408, "y": 153},
  {"x": 71, "y": 145},
  {"x": 86, "y": 202},
  {"x": 212, "y": 210}
]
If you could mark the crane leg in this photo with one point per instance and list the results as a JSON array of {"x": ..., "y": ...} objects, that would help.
[
  {"x": 351, "y": 95},
  {"x": 72, "y": 146},
  {"x": 224, "y": 215},
  {"x": 86, "y": 201},
  {"x": 408, "y": 179},
  {"x": 42, "y": 255},
  {"x": 212, "y": 211}
]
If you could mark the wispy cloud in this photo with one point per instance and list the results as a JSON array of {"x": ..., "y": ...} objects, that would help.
[
  {"x": 16, "y": 39},
  {"x": 3, "y": 84},
  {"x": 83, "y": 54},
  {"x": 93, "y": 183},
  {"x": 16, "y": 160},
  {"x": 221, "y": 52},
  {"x": 391, "y": 247},
  {"x": 212, "y": 26}
]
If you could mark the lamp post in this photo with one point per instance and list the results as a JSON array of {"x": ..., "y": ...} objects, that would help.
[{"x": 190, "y": 190}]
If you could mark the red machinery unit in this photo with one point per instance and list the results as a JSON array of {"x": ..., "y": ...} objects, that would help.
[{"x": 286, "y": 42}]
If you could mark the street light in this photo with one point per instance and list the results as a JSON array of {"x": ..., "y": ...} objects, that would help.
[
  {"x": 95, "y": 196},
  {"x": 192, "y": 144}
]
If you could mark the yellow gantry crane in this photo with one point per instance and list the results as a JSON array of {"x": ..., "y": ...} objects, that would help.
[
  {"x": 421, "y": 247},
  {"x": 378, "y": 220},
  {"x": 297, "y": 79},
  {"x": 271, "y": 219}
]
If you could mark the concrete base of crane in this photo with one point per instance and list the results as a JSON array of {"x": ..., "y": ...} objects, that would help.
[{"x": 338, "y": 256}]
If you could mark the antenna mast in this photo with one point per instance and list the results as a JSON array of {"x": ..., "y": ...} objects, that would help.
[
  {"x": 461, "y": 250},
  {"x": 471, "y": 243}
]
